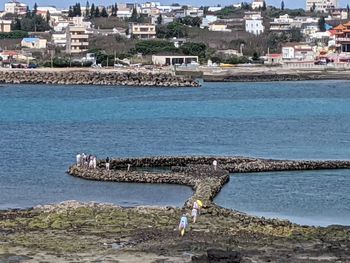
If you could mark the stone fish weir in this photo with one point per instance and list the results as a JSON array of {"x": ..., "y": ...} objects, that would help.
[
  {"x": 196, "y": 172},
  {"x": 80, "y": 77}
]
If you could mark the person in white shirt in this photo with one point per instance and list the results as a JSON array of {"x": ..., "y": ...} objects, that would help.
[
  {"x": 78, "y": 158},
  {"x": 215, "y": 164}
]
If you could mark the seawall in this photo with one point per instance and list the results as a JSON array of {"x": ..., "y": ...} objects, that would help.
[{"x": 88, "y": 77}]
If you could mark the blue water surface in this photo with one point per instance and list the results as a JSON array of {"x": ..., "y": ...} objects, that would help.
[{"x": 42, "y": 127}]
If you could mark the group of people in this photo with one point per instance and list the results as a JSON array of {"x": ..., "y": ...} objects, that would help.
[
  {"x": 194, "y": 214},
  {"x": 87, "y": 161}
]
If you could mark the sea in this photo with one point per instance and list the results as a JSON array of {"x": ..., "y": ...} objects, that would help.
[{"x": 43, "y": 127}]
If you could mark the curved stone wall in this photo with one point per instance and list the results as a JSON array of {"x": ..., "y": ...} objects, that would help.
[
  {"x": 95, "y": 78},
  {"x": 204, "y": 180},
  {"x": 196, "y": 172}
]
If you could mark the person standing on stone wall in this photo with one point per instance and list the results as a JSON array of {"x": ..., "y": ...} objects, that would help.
[
  {"x": 128, "y": 169},
  {"x": 107, "y": 163},
  {"x": 94, "y": 162},
  {"x": 78, "y": 159},
  {"x": 215, "y": 164}
]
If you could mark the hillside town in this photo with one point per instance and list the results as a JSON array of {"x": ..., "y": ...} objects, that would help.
[{"x": 184, "y": 36}]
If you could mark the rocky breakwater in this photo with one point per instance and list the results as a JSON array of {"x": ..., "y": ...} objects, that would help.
[
  {"x": 95, "y": 78},
  {"x": 231, "y": 164},
  {"x": 204, "y": 180}
]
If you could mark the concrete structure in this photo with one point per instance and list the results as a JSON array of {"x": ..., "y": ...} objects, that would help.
[
  {"x": 254, "y": 23},
  {"x": 257, "y": 4},
  {"x": 142, "y": 31},
  {"x": 321, "y": 5},
  {"x": 15, "y": 7},
  {"x": 5, "y": 26},
  {"x": 219, "y": 27},
  {"x": 77, "y": 40},
  {"x": 173, "y": 60},
  {"x": 33, "y": 42}
]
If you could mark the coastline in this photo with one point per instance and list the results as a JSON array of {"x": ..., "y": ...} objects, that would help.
[{"x": 164, "y": 77}]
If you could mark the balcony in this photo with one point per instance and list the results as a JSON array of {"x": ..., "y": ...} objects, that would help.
[
  {"x": 343, "y": 39},
  {"x": 82, "y": 36},
  {"x": 79, "y": 44}
]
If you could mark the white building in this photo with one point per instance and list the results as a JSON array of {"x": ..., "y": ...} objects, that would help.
[
  {"x": 254, "y": 23},
  {"x": 208, "y": 19},
  {"x": 321, "y": 5},
  {"x": 174, "y": 60},
  {"x": 257, "y": 4},
  {"x": 282, "y": 23},
  {"x": 15, "y": 8},
  {"x": 301, "y": 52}
]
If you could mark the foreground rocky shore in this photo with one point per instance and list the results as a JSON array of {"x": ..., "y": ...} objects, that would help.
[
  {"x": 80, "y": 77},
  {"x": 77, "y": 232}
]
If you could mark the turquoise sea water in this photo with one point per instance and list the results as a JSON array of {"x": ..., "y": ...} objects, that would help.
[{"x": 42, "y": 128}]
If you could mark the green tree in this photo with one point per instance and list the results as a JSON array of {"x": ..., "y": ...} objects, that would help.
[
  {"x": 35, "y": 9},
  {"x": 322, "y": 24},
  {"x": 194, "y": 49},
  {"x": 264, "y": 6},
  {"x": 313, "y": 8},
  {"x": 48, "y": 17},
  {"x": 134, "y": 16},
  {"x": 348, "y": 8},
  {"x": 70, "y": 12},
  {"x": 78, "y": 9},
  {"x": 87, "y": 9},
  {"x": 92, "y": 10},
  {"x": 97, "y": 12},
  {"x": 104, "y": 12},
  {"x": 282, "y": 5},
  {"x": 159, "y": 19},
  {"x": 295, "y": 35},
  {"x": 256, "y": 56},
  {"x": 148, "y": 47}
]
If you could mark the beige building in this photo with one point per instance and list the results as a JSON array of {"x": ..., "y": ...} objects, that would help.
[
  {"x": 173, "y": 60},
  {"x": 77, "y": 40},
  {"x": 142, "y": 31},
  {"x": 321, "y": 5},
  {"x": 5, "y": 26},
  {"x": 33, "y": 42}
]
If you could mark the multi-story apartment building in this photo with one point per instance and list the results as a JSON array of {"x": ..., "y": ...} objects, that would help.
[
  {"x": 15, "y": 7},
  {"x": 254, "y": 23},
  {"x": 77, "y": 40},
  {"x": 321, "y": 5},
  {"x": 5, "y": 26},
  {"x": 142, "y": 31}
]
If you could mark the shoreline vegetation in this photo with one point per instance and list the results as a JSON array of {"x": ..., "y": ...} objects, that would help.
[
  {"x": 73, "y": 231},
  {"x": 164, "y": 77}
]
